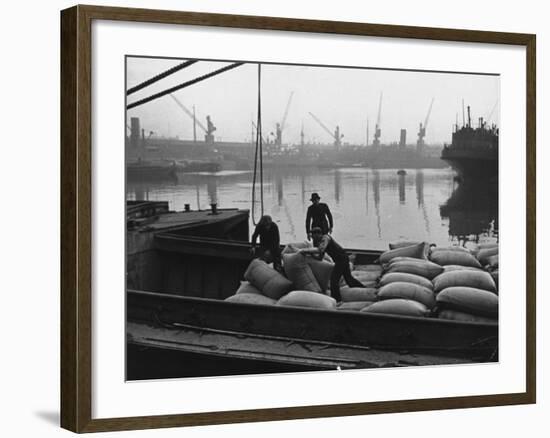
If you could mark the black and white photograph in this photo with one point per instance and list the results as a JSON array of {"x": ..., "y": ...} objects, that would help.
[{"x": 297, "y": 218}]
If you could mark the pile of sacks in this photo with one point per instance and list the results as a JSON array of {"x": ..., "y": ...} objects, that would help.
[
  {"x": 304, "y": 283},
  {"x": 467, "y": 291},
  {"x": 410, "y": 279},
  {"x": 450, "y": 283},
  {"x": 405, "y": 288}
]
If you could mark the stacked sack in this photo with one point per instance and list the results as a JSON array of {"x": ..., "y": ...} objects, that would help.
[
  {"x": 464, "y": 290},
  {"x": 405, "y": 287},
  {"x": 304, "y": 282},
  {"x": 310, "y": 279},
  {"x": 357, "y": 298},
  {"x": 487, "y": 255},
  {"x": 263, "y": 285}
]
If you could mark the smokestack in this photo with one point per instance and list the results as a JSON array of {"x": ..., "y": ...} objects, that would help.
[
  {"x": 403, "y": 139},
  {"x": 134, "y": 132}
]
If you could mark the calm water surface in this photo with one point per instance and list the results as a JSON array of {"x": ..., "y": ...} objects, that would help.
[{"x": 370, "y": 207}]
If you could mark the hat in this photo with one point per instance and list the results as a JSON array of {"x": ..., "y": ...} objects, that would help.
[{"x": 315, "y": 196}]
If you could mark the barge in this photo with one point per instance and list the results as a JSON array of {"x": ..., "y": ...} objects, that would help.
[{"x": 181, "y": 268}]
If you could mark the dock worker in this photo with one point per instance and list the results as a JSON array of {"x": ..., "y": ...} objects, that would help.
[
  {"x": 270, "y": 250},
  {"x": 324, "y": 243},
  {"x": 318, "y": 215}
]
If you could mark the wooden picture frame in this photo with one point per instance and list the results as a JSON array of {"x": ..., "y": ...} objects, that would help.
[{"x": 76, "y": 217}]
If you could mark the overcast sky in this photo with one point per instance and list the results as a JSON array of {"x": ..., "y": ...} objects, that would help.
[{"x": 336, "y": 95}]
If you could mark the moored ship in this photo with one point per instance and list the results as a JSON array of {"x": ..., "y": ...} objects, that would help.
[{"x": 473, "y": 152}]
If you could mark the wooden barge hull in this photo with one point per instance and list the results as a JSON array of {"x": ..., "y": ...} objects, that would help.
[{"x": 477, "y": 341}]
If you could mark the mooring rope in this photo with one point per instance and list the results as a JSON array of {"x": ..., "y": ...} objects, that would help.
[
  {"x": 258, "y": 154},
  {"x": 160, "y": 76},
  {"x": 183, "y": 85}
]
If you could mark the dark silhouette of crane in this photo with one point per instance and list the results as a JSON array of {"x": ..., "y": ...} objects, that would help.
[
  {"x": 336, "y": 136},
  {"x": 422, "y": 129},
  {"x": 208, "y": 130},
  {"x": 279, "y": 127}
]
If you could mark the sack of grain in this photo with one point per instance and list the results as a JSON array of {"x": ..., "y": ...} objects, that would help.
[
  {"x": 407, "y": 278},
  {"x": 358, "y": 294},
  {"x": 408, "y": 291},
  {"x": 322, "y": 271},
  {"x": 487, "y": 245},
  {"x": 450, "y": 248},
  {"x": 423, "y": 268},
  {"x": 247, "y": 288},
  {"x": 475, "y": 279},
  {"x": 299, "y": 273},
  {"x": 366, "y": 276},
  {"x": 251, "y": 299},
  {"x": 445, "y": 257},
  {"x": 468, "y": 300},
  {"x": 492, "y": 262},
  {"x": 451, "y": 268},
  {"x": 293, "y": 248},
  {"x": 354, "y": 305},
  {"x": 267, "y": 280},
  {"x": 369, "y": 268},
  {"x": 305, "y": 298},
  {"x": 466, "y": 317},
  {"x": 398, "y": 306},
  {"x": 403, "y": 259},
  {"x": 414, "y": 251},
  {"x": 405, "y": 243},
  {"x": 484, "y": 254}
]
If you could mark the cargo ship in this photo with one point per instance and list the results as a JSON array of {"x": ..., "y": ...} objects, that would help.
[{"x": 473, "y": 152}]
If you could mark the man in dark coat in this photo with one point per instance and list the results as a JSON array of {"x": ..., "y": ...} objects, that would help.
[
  {"x": 323, "y": 243},
  {"x": 318, "y": 215},
  {"x": 270, "y": 250}
]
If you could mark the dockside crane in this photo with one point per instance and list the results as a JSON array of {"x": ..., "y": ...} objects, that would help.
[
  {"x": 420, "y": 143},
  {"x": 377, "y": 129},
  {"x": 208, "y": 130},
  {"x": 279, "y": 128},
  {"x": 336, "y": 136}
]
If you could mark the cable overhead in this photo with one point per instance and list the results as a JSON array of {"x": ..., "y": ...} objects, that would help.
[
  {"x": 258, "y": 155},
  {"x": 184, "y": 85},
  {"x": 160, "y": 76}
]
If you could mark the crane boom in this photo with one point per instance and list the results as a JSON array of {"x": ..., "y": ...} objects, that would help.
[
  {"x": 428, "y": 115},
  {"x": 379, "y": 110},
  {"x": 188, "y": 112},
  {"x": 283, "y": 121},
  {"x": 327, "y": 130}
]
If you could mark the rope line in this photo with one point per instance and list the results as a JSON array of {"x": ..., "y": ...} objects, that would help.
[
  {"x": 183, "y": 85},
  {"x": 258, "y": 154},
  {"x": 160, "y": 76}
]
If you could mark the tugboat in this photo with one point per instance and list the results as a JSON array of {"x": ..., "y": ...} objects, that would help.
[{"x": 473, "y": 152}]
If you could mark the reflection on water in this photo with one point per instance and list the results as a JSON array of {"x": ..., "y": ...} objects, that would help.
[
  {"x": 370, "y": 207},
  {"x": 472, "y": 211},
  {"x": 401, "y": 189}
]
